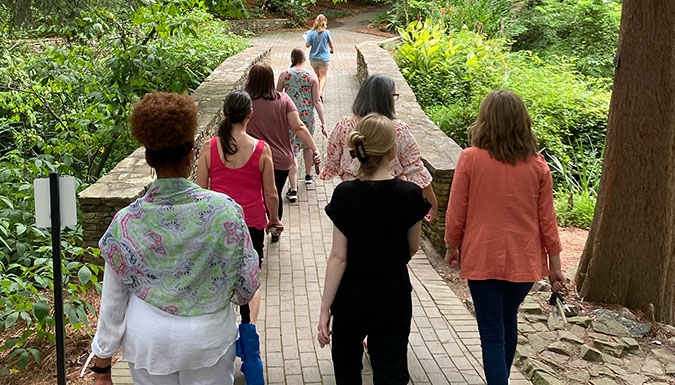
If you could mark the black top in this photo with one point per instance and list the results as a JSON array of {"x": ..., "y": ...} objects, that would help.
[{"x": 375, "y": 216}]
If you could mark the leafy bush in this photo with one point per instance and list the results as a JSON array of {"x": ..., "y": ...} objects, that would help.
[
  {"x": 575, "y": 210},
  {"x": 490, "y": 17},
  {"x": 577, "y": 188},
  {"x": 296, "y": 11},
  {"x": 228, "y": 9},
  {"x": 64, "y": 106},
  {"x": 24, "y": 304},
  {"x": 451, "y": 74},
  {"x": 585, "y": 30}
]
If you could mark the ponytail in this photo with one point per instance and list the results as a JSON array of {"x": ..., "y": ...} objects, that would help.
[{"x": 236, "y": 108}]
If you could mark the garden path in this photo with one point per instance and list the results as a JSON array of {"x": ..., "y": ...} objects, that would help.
[{"x": 444, "y": 343}]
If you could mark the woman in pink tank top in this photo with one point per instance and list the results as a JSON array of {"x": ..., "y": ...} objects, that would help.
[{"x": 236, "y": 164}]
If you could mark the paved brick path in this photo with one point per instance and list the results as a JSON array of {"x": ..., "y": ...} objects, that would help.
[{"x": 444, "y": 342}]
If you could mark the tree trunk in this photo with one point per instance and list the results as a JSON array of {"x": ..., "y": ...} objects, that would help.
[{"x": 630, "y": 253}]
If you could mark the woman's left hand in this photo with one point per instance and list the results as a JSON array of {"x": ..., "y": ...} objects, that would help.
[
  {"x": 323, "y": 130},
  {"x": 324, "y": 332},
  {"x": 557, "y": 280},
  {"x": 431, "y": 215}
]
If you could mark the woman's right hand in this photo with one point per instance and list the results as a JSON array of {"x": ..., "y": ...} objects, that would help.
[
  {"x": 276, "y": 224},
  {"x": 324, "y": 332},
  {"x": 452, "y": 256}
]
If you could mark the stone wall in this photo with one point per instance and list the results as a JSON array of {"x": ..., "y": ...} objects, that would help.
[
  {"x": 130, "y": 178},
  {"x": 258, "y": 25},
  {"x": 439, "y": 152}
]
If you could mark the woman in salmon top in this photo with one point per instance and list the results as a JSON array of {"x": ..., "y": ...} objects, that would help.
[
  {"x": 236, "y": 164},
  {"x": 501, "y": 214}
]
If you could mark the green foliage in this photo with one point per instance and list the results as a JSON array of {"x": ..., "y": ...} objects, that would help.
[
  {"x": 403, "y": 12},
  {"x": 575, "y": 210},
  {"x": 577, "y": 189},
  {"x": 64, "y": 105},
  {"x": 228, "y": 9},
  {"x": 296, "y": 11},
  {"x": 25, "y": 307},
  {"x": 585, "y": 31},
  {"x": 490, "y": 17},
  {"x": 333, "y": 13},
  {"x": 451, "y": 74}
]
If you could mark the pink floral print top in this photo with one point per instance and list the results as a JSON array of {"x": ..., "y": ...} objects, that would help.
[{"x": 407, "y": 165}]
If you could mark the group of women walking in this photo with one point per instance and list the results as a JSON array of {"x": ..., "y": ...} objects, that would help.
[{"x": 179, "y": 258}]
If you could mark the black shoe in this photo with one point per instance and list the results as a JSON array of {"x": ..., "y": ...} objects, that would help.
[
  {"x": 309, "y": 179},
  {"x": 275, "y": 238},
  {"x": 292, "y": 196}
]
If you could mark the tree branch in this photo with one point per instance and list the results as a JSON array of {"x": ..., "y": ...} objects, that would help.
[
  {"x": 42, "y": 99},
  {"x": 149, "y": 36}
]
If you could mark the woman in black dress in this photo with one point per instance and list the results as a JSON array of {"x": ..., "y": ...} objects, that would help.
[{"x": 377, "y": 223}]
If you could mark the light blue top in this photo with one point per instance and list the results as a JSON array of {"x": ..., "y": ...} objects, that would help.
[{"x": 319, "y": 42}]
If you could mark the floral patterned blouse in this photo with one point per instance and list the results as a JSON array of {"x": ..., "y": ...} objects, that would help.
[
  {"x": 407, "y": 164},
  {"x": 298, "y": 85},
  {"x": 183, "y": 249}
]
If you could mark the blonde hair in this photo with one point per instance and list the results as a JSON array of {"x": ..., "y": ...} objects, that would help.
[
  {"x": 320, "y": 23},
  {"x": 370, "y": 141},
  {"x": 504, "y": 128}
]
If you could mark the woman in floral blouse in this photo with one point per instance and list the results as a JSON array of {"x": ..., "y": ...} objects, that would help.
[
  {"x": 302, "y": 86},
  {"x": 176, "y": 260},
  {"x": 378, "y": 95}
]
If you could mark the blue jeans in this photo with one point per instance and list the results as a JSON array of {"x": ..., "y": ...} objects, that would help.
[{"x": 496, "y": 303}]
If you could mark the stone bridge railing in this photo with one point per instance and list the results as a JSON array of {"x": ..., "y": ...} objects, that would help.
[
  {"x": 439, "y": 152},
  {"x": 130, "y": 179}
]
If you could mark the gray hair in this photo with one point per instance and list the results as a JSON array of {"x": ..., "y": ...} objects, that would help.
[{"x": 376, "y": 96}]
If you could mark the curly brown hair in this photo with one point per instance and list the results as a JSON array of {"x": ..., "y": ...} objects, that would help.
[{"x": 163, "y": 120}]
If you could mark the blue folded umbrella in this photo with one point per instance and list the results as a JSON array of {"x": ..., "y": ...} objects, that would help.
[{"x": 248, "y": 349}]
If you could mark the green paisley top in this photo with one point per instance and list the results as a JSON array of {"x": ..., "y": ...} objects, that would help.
[{"x": 183, "y": 249}]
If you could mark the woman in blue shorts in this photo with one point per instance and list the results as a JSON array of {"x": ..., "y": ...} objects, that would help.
[{"x": 321, "y": 44}]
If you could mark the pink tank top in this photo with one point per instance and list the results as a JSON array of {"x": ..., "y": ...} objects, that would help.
[{"x": 243, "y": 184}]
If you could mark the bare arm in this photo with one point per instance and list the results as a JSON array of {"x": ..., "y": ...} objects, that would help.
[
  {"x": 280, "y": 81},
  {"x": 428, "y": 193},
  {"x": 299, "y": 129},
  {"x": 269, "y": 188},
  {"x": 203, "y": 165},
  {"x": 330, "y": 44},
  {"x": 414, "y": 237},
  {"x": 337, "y": 261},
  {"x": 316, "y": 96}
]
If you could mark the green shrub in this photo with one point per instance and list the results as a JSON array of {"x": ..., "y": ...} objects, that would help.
[
  {"x": 451, "y": 73},
  {"x": 228, "y": 9},
  {"x": 490, "y": 17},
  {"x": 586, "y": 31},
  {"x": 66, "y": 109},
  {"x": 575, "y": 210}
]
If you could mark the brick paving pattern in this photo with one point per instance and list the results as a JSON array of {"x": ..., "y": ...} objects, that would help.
[{"x": 444, "y": 344}]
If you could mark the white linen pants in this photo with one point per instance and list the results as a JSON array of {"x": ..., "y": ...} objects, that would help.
[{"x": 222, "y": 373}]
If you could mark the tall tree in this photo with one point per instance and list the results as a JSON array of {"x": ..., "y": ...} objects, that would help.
[{"x": 630, "y": 253}]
